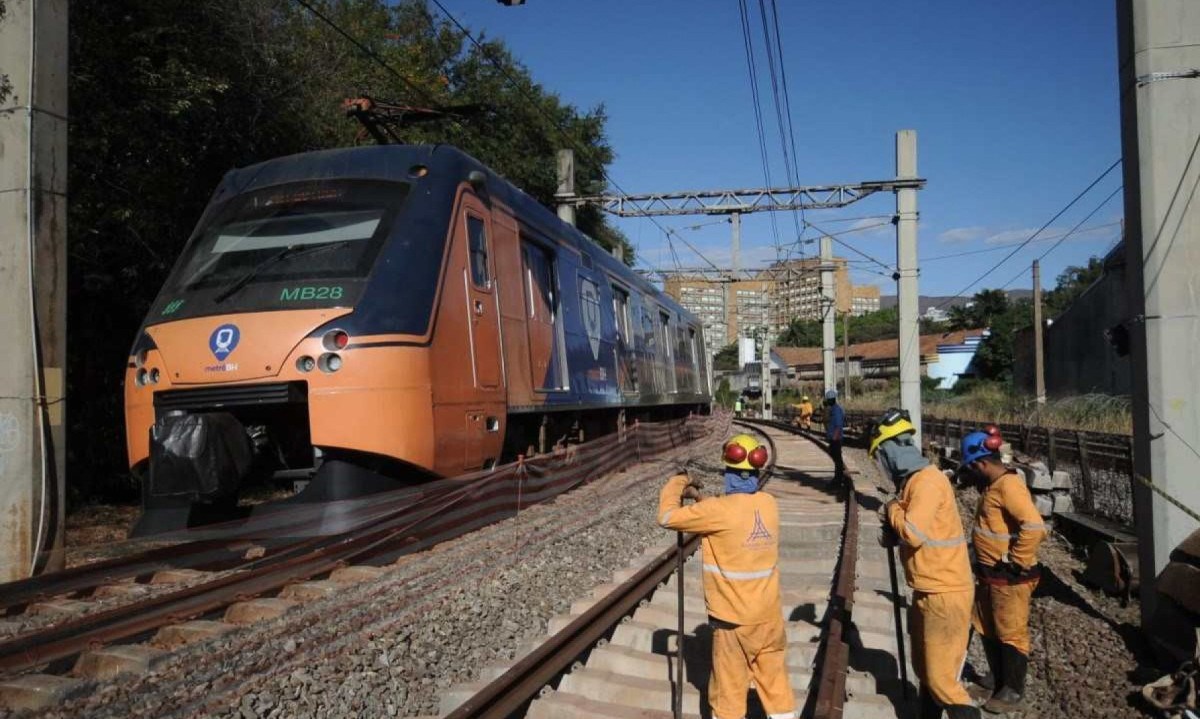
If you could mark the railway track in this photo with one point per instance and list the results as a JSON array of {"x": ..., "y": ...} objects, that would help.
[
  {"x": 614, "y": 655},
  {"x": 124, "y": 617}
]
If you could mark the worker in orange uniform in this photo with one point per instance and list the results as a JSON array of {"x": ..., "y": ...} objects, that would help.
[
  {"x": 740, "y": 554},
  {"x": 923, "y": 520},
  {"x": 806, "y": 412},
  {"x": 1008, "y": 530}
]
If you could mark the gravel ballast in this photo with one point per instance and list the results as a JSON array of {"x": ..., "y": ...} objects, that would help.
[
  {"x": 1086, "y": 646},
  {"x": 391, "y": 646}
]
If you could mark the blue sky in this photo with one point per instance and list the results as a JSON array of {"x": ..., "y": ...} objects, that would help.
[{"x": 1015, "y": 106}]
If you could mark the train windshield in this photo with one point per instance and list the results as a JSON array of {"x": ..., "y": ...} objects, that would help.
[{"x": 310, "y": 243}]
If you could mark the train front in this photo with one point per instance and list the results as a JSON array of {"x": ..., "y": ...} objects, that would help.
[{"x": 252, "y": 365}]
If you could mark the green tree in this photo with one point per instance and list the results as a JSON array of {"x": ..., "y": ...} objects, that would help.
[
  {"x": 880, "y": 325},
  {"x": 727, "y": 358},
  {"x": 1070, "y": 284}
]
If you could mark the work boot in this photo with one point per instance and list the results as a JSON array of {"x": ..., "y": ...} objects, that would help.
[
  {"x": 1010, "y": 696},
  {"x": 983, "y": 687},
  {"x": 963, "y": 711},
  {"x": 929, "y": 709}
]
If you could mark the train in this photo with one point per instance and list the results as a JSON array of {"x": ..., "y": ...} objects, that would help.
[{"x": 363, "y": 318}]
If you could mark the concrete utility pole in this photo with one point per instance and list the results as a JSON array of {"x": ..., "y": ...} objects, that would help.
[
  {"x": 566, "y": 186},
  {"x": 828, "y": 306},
  {"x": 906, "y": 270},
  {"x": 33, "y": 287},
  {"x": 735, "y": 248},
  {"x": 1039, "y": 356},
  {"x": 846, "y": 356},
  {"x": 1159, "y": 48},
  {"x": 767, "y": 391}
]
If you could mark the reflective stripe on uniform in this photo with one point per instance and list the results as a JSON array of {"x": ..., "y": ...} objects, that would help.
[
  {"x": 934, "y": 542},
  {"x": 784, "y": 715},
  {"x": 665, "y": 518},
  {"x": 994, "y": 535},
  {"x": 761, "y": 574},
  {"x": 1033, "y": 526}
]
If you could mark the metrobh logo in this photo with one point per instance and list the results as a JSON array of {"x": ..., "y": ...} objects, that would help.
[{"x": 223, "y": 341}]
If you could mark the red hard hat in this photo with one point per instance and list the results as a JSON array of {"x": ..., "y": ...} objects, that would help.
[{"x": 992, "y": 429}]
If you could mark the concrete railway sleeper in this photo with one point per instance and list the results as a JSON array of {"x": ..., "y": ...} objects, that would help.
[
  {"x": 615, "y": 654},
  {"x": 92, "y": 645}
]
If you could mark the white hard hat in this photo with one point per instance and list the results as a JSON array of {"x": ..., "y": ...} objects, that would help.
[{"x": 831, "y": 394}]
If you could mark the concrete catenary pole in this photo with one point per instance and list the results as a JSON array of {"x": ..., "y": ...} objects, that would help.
[
  {"x": 1159, "y": 49},
  {"x": 906, "y": 269},
  {"x": 566, "y": 186},
  {"x": 767, "y": 391},
  {"x": 828, "y": 306},
  {"x": 1039, "y": 352},
  {"x": 33, "y": 291},
  {"x": 845, "y": 356},
  {"x": 735, "y": 243}
]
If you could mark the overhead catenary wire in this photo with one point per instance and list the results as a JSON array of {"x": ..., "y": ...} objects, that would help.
[
  {"x": 424, "y": 96},
  {"x": 1032, "y": 237},
  {"x": 785, "y": 127},
  {"x": 756, "y": 103}
]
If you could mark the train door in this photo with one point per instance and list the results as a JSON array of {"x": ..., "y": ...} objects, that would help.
[
  {"x": 545, "y": 335},
  {"x": 481, "y": 303}
]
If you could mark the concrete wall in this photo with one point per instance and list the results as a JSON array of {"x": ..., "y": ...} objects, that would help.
[{"x": 1079, "y": 358}]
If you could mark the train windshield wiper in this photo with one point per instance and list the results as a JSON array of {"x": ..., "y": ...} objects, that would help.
[{"x": 285, "y": 253}]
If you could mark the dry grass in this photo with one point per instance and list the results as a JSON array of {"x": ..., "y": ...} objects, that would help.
[{"x": 991, "y": 403}]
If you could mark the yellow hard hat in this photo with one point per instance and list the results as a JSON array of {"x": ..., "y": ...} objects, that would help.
[
  {"x": 744, "y": 452},
  {"x": 892, "y": 424},
  {"x": 804, "y": 398}
]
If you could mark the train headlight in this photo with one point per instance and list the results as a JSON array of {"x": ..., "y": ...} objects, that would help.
[
  {"x": 139, "y": 359},
  {"x": 306, "y": 364},
  {"x": 335, "y": 340},
  {"x": 140, "y": 378},
  {"x": 330, "y": 362},
  {"x": 154, "y": 376}
]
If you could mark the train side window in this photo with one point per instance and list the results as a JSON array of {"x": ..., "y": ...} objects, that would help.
[
  {"x": 668, "y": 353},
  {"x": 477, "y": 242},
  {"x": 627, "y": 373}
]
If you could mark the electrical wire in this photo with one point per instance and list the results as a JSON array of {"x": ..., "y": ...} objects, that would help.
[
  {"x": 1068, "y": 234},
  {"x": 756, "y": 103},
  {"x": 1006, "y": 245},
  {"x": 783, "y": 127},
  {"x": 1031, "y": 238},
  {"x": 852, "y": 248},
  {"x": 413, "y": 87}
]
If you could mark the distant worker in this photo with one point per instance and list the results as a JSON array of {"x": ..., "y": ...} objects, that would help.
[
  {"x": 737, "y": 407},
  {"x": 923, "y": 520},
  {"x": 835, "y": 425},
  {"x": 1008, "y": 530},
  {"x": 740, "y": 547},
  {"x": 806, "y": 412}
]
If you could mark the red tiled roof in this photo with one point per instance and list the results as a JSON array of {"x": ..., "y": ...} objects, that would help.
[{"x": 873, "y": 351}]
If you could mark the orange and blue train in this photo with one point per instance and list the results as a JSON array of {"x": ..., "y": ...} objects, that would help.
[{"x": 363, "y": 317}]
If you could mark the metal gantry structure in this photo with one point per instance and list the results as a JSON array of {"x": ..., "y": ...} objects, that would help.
[
  {"x": 741, "y": 201},
  {"x": 736, "y": 202}
]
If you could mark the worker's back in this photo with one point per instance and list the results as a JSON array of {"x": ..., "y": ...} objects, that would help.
[{"x": 740, "y": 555}]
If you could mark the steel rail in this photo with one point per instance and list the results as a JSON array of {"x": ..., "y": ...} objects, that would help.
[
  {"x": 833, "y": 653},
  {"x": 518, "y": 686},
  {"x": 433, "y": 519},
  {"x": 513, "y": 690}
]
